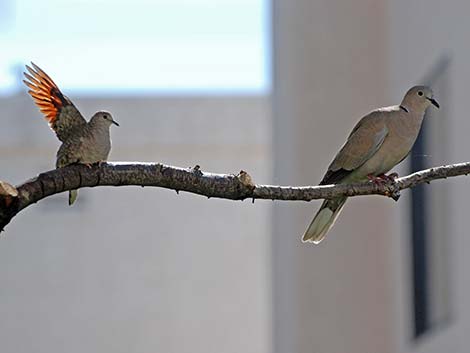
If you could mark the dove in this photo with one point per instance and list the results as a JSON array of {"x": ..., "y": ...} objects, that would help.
[
  {"x": 82, "y": 142},
  {"x": 378, "y": 142}
]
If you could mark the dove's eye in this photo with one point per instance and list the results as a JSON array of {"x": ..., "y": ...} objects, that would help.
[{"x": 420, "y": 93}]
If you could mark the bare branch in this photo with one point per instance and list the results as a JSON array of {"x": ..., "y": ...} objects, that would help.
[{"x": 193, "y": 180}]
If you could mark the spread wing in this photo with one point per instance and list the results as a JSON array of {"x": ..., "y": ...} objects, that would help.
[
  {"x": 59, "y": 111},
  {"x": 365, "y": 139}
]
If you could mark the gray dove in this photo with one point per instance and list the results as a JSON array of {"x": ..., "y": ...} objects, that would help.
[
  {"x": 381, "y": 140},
  {"x": 82, "y": 142}
]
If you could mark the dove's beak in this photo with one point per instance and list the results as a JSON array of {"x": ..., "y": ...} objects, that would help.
[
  {"x": 115, "y": 123},
  {"x": 434, "y": 102}
]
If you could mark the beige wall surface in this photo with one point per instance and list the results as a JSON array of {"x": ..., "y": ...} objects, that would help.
[
  {"x": 140, "y": 270},
  {"x": 330, "y": 68}
]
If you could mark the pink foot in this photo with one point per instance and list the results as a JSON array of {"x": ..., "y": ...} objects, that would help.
[
  {"x": 382, "y": 178},
  {"x": 375, "y": 179},
  {"x": 390, "y": 177}
]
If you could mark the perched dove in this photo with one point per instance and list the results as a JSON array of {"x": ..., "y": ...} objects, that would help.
[
  {"x": 82, "y": 142},
  {"x": 381, "y": 140}
]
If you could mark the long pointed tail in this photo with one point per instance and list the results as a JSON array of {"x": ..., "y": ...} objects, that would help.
[
  {"x": 323, "y": 220},
  {"x": 73, "y": 194}
]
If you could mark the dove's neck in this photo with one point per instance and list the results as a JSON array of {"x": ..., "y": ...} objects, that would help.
[
  {"x": 409, "y": 123},
  {"x": 414, "y": 105},
  {"x": 99, "y": 124},
  {"x": 413, "y": 112},
  {"x": 99, "y": 129}
]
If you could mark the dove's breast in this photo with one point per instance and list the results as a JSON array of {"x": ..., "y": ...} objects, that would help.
[
  {"x": 87, "y": 146},
  {"x": 97, "y": 145}
]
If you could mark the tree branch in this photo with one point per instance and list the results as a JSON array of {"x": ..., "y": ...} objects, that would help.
[{"x": 193, "y": 180}]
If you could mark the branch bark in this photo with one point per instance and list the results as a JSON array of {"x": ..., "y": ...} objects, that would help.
[{"x": 193, "y": 180}]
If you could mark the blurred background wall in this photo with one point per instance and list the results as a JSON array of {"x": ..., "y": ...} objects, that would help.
[
  {"x": 271, "y": 88},
  {"x": 132, "y": 269},
  {"x": 389, "y": 277}
]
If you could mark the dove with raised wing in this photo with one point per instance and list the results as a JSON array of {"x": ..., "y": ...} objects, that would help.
[
  {"x": 381, "y": 140},
  {"x": 82, "y": 142}
]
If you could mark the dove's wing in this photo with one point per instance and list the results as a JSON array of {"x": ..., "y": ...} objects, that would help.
[
  {"x": 365, "y": 139},
  {"x": 62, "y": 115}
]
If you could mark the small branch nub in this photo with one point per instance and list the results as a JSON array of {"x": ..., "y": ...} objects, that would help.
[
  {"x": 7, "y": 193},
  {"x": 246, "y": 180}
]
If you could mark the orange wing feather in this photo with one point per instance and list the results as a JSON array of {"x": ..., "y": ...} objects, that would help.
[
  {"x": 59, "y": 111},
  {"x": 45, "y": 93}
]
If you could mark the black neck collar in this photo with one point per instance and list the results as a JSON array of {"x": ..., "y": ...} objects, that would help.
[{"x": 403, "y": 108}]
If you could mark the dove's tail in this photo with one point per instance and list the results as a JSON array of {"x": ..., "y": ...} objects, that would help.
[
  {"x": 323, "y": 220},
  {"x": 73, "y": 194}
]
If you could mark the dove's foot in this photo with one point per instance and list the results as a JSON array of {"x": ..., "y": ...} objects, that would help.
[
  {"x": 90, "y": 165},
  {"x": 382, "y": 178},
  {"x": 376, "y": 179},
  {"x": 390, "y": 177},
  {"x": 387, "y": 181}
]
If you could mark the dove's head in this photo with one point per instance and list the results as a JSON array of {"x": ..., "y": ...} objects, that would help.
[
  {"x": 418, "y": 98},
  {"x": 103, "y": 118}
]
